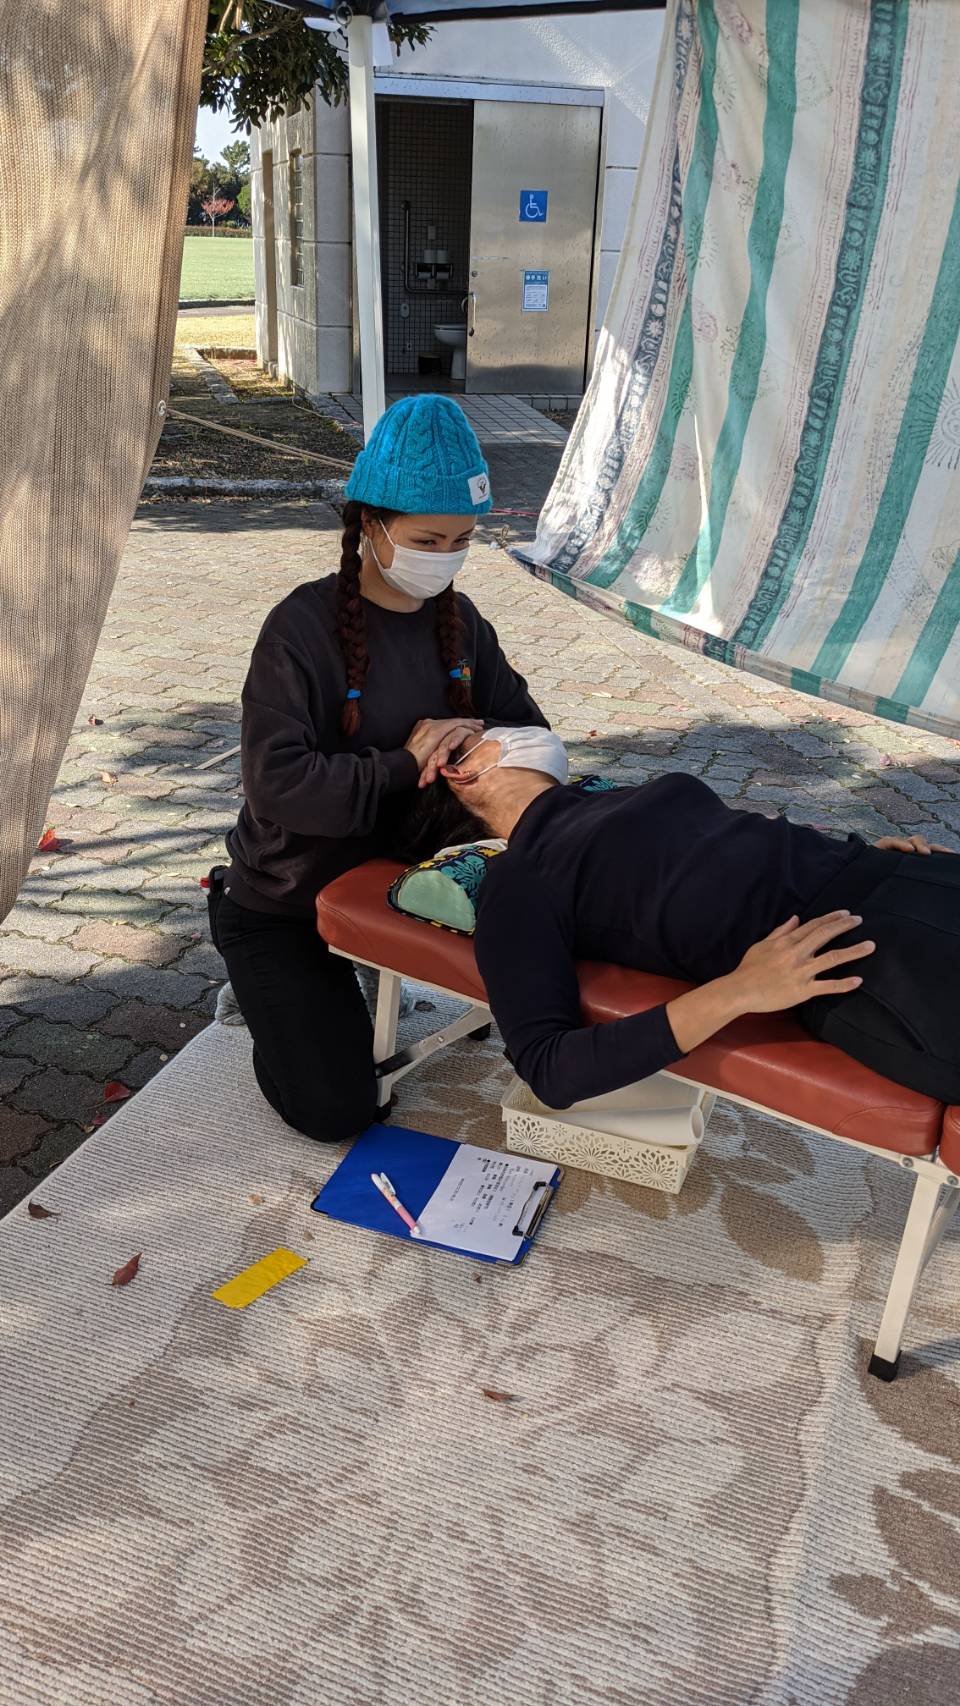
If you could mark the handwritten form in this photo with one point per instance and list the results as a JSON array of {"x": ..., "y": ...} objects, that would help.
[{"x": 482, "y": 1198}]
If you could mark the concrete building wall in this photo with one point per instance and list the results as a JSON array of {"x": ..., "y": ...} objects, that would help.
[
  {"x": 314, "y": 318},
  {"x": 315, "y": 335}
]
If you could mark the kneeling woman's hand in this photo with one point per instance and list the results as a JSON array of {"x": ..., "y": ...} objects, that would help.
[
  {"x": 434, "y": 739},
  {"x": 788, "y": 966}
]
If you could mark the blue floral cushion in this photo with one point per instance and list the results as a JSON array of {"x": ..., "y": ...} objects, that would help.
[{"x": 443, "y": 890}]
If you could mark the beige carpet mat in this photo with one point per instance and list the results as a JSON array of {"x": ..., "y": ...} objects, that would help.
[{"x": 693, "y": 1495}]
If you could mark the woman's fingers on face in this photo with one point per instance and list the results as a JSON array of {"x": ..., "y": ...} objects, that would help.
[
  {"x": 448, "y": 737},
  {"x": 454, "y": 735},
  {"x": 434, "y": 765}
]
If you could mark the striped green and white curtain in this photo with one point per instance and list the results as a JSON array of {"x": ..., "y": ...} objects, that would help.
[{"x": 766, "y": 467}]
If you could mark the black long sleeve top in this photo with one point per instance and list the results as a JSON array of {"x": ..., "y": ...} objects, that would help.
[
  {"x": 315, "y": 799},
  {"x": 665, "y": 878}
]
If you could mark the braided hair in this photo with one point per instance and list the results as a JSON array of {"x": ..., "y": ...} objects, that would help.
[{"x": 352, "y": 623}]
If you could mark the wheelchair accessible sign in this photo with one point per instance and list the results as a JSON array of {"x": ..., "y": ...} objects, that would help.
[{"x": 533, "y": 207}]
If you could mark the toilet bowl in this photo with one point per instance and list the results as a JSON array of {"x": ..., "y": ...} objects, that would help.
[{"x": 454, "y": 337}]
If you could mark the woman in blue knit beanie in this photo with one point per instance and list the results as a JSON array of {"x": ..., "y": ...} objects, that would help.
[{"x": 360, "y": 687}]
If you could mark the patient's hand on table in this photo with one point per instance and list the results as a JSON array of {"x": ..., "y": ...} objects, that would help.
[{"x": 909, "y": 844}]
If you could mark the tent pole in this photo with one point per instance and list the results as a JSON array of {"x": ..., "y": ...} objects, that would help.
[{"x": 366, "y": 218}]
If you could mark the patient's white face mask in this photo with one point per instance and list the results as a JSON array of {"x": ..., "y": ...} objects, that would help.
[{"x": 524, "y": 749}]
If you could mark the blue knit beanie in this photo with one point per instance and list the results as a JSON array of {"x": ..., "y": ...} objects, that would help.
[{"x": 423, "y": 458}]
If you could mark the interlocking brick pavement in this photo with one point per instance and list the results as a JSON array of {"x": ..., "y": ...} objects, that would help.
[{"x": 105, "y": 964}]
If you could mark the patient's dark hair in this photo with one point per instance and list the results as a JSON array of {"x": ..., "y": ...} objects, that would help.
[{"x": 431, "y": 818}]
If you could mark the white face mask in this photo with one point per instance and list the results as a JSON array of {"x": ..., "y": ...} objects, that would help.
[
  {"x": 525, "y": 749},
  {"x": 420, "y": 574}
]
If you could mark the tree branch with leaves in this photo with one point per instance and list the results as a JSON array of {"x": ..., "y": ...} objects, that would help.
[{"x": 261, "y": 60}]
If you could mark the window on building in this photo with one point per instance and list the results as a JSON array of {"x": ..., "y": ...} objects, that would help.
[{"x": 296, "y": 218}]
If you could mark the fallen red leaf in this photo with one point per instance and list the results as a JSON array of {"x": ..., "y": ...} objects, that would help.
[
  {"x": 114, "y": 1091},
  {"x": 108, "y": 777},
  {"x": 204, "y": 882},
  {"x": 499, "y": 1397},
  {"x": 95, "y": 722},
  {"x": 37, "y": 1211},
  {"x": 124, "y": 1275},
  {"x": 593, "y": 734},
  {"x": 98, "y": 1120},
  {"x": 49, "y": 842}
]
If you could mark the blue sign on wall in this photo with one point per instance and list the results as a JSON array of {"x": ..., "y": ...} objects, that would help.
[{"x": 533, "y": 207}]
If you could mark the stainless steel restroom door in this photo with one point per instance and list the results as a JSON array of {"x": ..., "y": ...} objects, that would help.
[{"x": 526, "y": 333}]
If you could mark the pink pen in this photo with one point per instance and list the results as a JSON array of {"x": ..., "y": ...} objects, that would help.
[{"x": 386, "y": 1190}]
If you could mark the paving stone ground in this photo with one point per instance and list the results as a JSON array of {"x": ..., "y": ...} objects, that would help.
[{"x": 105, "y": 965}]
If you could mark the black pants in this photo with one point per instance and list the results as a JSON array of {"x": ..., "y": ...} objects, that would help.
[
  {"x": 904, "y": 1020},
  {"x": 312, "y": 1036}
]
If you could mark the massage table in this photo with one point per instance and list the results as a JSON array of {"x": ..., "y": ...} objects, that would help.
[{"x": 764, "y": 1061}]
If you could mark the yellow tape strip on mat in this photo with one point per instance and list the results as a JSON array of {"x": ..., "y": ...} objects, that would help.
[{"x": 262, "y": 1276}]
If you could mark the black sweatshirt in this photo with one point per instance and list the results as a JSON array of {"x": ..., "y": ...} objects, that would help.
[
  {"x": 314, "y": 798},
  {"x": 665, "y": 878}
]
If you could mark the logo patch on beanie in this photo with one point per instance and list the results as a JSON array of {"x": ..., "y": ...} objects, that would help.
[{"x": 479, "y": 488}]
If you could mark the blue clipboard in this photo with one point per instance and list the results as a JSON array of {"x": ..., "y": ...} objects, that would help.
[{"x": 415, "y": 1162}]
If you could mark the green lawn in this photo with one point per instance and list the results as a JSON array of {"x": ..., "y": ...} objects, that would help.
[{"x": 217, "y": 269}]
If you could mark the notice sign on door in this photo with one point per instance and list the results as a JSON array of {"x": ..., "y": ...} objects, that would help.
[
  {"x": 536, "y": 292},
  {"x": 533, "y": 207}
]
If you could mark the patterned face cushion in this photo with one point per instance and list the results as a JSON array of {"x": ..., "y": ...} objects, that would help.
[{"x": 443, "y": 890}]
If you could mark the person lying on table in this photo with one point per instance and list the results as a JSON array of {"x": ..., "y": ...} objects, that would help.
[{"x": 863, "y": 942}]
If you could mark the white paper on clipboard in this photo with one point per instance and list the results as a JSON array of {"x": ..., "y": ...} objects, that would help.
[{"x": 483, "y": 1196}]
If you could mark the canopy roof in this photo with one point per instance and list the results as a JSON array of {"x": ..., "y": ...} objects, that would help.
[{"x": 436, "y": 11}]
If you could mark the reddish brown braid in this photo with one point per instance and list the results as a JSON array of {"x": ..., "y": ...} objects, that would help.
[
  {"x": 352, "y": 624},
  {"x": 450, "y": 641}
]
